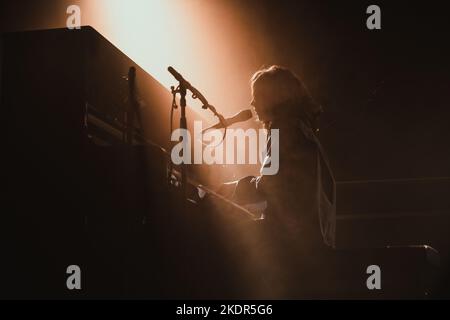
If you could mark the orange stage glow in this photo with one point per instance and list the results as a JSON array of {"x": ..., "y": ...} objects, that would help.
[
  {"x": 211, "y": 43},
  {"x": 206, "y": 41}
]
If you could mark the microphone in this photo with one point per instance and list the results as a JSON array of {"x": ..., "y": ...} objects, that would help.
[
  {"x": 195, "y": 93},
  {"x": 179, "y": 77},
  {"x": 241, "y": 116}
]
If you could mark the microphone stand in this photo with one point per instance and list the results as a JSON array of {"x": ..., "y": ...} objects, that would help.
[{"x": 182, "y": 88}]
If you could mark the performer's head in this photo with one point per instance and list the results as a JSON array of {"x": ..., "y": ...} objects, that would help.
[{"x": 278, "y": 94}]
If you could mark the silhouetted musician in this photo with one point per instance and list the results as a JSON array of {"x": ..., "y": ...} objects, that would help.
[{"x": 300, "y": 199}]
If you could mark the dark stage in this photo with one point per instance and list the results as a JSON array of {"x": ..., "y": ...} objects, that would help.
[{"x": 95, "y": 206}]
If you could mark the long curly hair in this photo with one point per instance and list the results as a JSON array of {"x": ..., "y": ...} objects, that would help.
[{"x": 289, "y": 97}]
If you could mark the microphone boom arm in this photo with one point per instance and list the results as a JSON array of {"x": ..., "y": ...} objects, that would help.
[{"x": 196, "y": 94}]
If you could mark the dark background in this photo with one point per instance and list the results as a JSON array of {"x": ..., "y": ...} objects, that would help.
[{"x": 386, "y": 91}]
